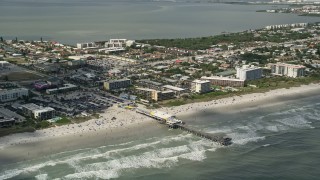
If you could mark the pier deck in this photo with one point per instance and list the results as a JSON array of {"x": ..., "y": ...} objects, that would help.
[{"x": 172, "y": 123}]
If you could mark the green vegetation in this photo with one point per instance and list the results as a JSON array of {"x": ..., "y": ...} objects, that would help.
[
  {"x": 201, "y": 42},
  {"x": 14, "y": 130},
  {"x": 262, "y": 85},
  {"x": 197, "y": 98},
  {"x": 42, "y": 125},
  {"x": 235, "y": 38},
  {"x": 175, "y": 71},
  {"x": 63, "y": 120},
  {"x": 20, "y": 76},
  {"x": 16, "y": 60},
  {"x": 250, "y": 57},
  {"x": 314, "y": 15}
]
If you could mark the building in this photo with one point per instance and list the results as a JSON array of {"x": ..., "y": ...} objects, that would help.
[
  {"x": 86, "y": 45},
  {"x": 77, "y": 62},
  {"x": 152, "y": 94},
  {"x": 145, "y": 93},
  {"x": 149, "y": 84},
  {"x": 200, "y": 86},
  {"x": 65, "y": 88},
  {"x": 4, "y": 63},
  {"x": 290, "y": 70},
  {"x": 38, "y": 112},
  {"x": 117, "y": 84},
  {"x": 224, "y": 81},
  {"x": 12, "y": 94},
  {"x": 162, "y": 95},
  {"x": 116, "y": 43},
  {"x": 9, "y": 118},
  {"x": 249, "y": 73},
  {"x": 177, "y": 91}
]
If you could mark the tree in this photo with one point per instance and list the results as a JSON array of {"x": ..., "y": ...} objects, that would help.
[
  {"x": 41, "y": 39},
  {"x": 6, "y": 78},
  {"x": 1, "y": 39}
]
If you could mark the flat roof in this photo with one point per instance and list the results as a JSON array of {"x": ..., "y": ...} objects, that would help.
[
  {"x": 200, "y": 81},
  {"x": 289, "y": 65},
  {"x": 173, "y": 88},
  {"x": 221, "y": 78},
  {"x": 43, "y": 110},
  {"x": 13, "y": 90},
  {"x": 117, "y": 80},
  {"x": 146, "y": 89}
]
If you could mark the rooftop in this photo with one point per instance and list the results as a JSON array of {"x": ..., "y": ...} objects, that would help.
[
  {"x": 221, "y": 78},
  {"x": 173, "y": 88},
  {"x": 200, "y": 81}
]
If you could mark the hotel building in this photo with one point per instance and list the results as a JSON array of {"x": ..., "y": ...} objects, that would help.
[
  {"x": 290, "y": 70},
  {"x": 224, "y": 81}
]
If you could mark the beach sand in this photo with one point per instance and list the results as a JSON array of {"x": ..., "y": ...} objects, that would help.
[
  {"x": 247, "y": 101},
  {"x": 128, "y": 124},
  {"x": 94, "y": 132}
]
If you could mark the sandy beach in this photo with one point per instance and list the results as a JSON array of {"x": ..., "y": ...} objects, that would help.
[
  {"x": 117, "y": 123},
  {"x": 240, "y": 103}
]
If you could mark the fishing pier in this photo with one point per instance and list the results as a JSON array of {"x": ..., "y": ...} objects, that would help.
[{"x": 174, "y": 123}]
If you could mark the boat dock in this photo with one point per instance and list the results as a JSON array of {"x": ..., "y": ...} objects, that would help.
[{"x": 174, "y": 123}]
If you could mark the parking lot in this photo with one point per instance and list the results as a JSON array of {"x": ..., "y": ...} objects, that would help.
[{"x": 77, "y": 102}]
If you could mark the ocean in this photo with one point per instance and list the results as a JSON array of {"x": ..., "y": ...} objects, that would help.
[
  {"x": 72, "y": 21},
  {"x": 279, "y": 141}
]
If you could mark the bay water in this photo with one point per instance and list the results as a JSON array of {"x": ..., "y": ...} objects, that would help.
[{"x": 72, "y": 21}]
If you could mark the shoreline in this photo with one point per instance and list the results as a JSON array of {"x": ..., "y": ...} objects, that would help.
[
  {"x": 129, "y": 124},
  {"x": 234, "y": 103},
  {"x": 21, "y": 146}
]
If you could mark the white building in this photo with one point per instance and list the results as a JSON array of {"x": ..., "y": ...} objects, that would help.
[
  {"x": 289, "y": 70},
  {"x": 38, "y": 112},
  {"x": 116, "y": 43},
  {"x": 12, "y": 94},
  {"x": 4, "y": 63},
  {"x": 224, "y": 81},
  {"x": 249, "y": 73},
  {"x": 86, "y": 45},
  {"x": 200, "y": 86}
]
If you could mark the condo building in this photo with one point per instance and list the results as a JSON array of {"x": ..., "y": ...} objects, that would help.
[
  {"x": 247, "y": 72},
  {"x": 224, "y": 81},
  {"x": 38, "y": 112},
  {"x": 200, "y": 86},
  {"x": 290, "y": 70},
  {"x": 12, "y": 94}
]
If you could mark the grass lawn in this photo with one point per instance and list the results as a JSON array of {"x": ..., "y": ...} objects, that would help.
[
  {"x": 17, "y": 60},
  {"x": 21, "y": 76}
]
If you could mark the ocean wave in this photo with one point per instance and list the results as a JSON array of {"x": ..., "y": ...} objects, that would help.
[
  {"x": 90, "y": 154},
  {"x": 102, "y": 174},
  {"x": 157, "y": 158},
  {"x": 297, "y": 121},
  {"x": 42, "y": 177}
]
